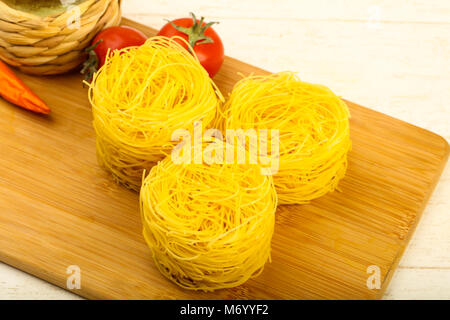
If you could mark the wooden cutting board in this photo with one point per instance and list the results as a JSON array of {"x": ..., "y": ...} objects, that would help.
[{"x": 58, "y": 208}]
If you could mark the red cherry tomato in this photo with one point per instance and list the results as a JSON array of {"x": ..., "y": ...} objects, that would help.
[
  {"x": 206, "y": 43},
  {"x": 111, "y": 38}
]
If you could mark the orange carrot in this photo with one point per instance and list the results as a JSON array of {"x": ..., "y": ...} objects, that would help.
[{"x": 15, "y": 91}]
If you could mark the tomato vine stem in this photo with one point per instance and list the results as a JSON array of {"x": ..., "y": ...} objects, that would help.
[{"x": 196, "y": 33}]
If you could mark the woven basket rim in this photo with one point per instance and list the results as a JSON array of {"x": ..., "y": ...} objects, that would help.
[{"x": 45, "y": 44}]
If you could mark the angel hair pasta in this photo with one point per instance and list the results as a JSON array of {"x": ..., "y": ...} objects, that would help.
[
  {"x": 208, "y": 226},
  {"x": 313, "y": 125},
  {"x": 140, "y": 97}
]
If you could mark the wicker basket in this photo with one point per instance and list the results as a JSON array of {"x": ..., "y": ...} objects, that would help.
[{"x": 50, "y": 45}]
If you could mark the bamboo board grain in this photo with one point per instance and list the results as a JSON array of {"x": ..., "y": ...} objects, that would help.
[{"x": 59, "y": 208}]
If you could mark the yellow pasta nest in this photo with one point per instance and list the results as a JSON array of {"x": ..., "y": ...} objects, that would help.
[
  {"x": 140, "y": 97},
  {"x": 313, "y": 126},
  {"x": 208, "y": 226}
]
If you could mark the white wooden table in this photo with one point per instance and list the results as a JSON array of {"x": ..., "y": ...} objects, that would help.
[{"x": 392, "y": 56}]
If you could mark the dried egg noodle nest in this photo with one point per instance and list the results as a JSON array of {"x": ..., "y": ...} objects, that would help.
[
  {"x": 208, "y": 226},
  {"x": 313, "y": 126},
  {"x": 140, "y": 97}
]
